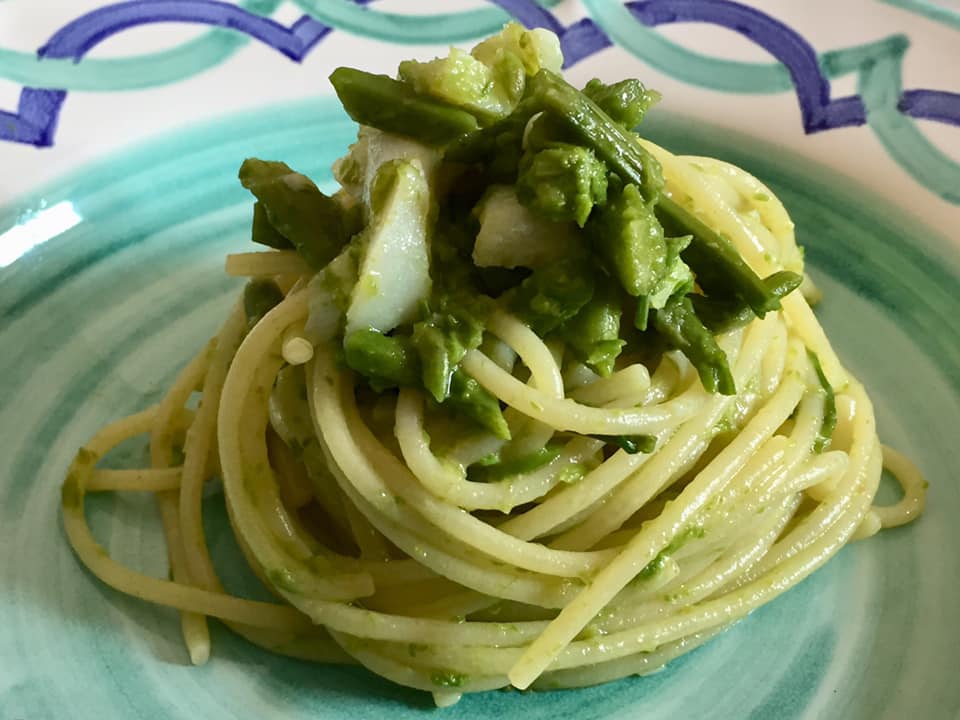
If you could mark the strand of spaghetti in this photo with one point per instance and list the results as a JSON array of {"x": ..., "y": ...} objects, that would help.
[
  {"x": 766, "y": 487},
  {"x": 420, "y": 509},
  {"x": 768, "y": 459},
  {"x": 552, "y": 511},
  {"x": 914, "y": 495},
  {"x": 162, "y": 592},
  {"x": 165, "y": 592},
  {"x": 705, "y": 615},
  {"x": 863, "y": 472},
  {"x": 638, "y": 664},
  {"x": 327, "y": 494},
  {"x": 260, "y": 482},
  {"x": 528, "y": 435},
  {"x": 403, "y": 673},
  {"x": 566, "y": 506},
  {"x": 665, "y": 628},
  {"x": 404, "y": 629},
  {"x": 727, "y": 195},
  {"x": 386, "y": 574},
  {"x": 455, "y": 607},
  {"x": 868, "y": 527},
  {"x": 840, "y": 440},
  {"x": 266, "y": 264},
  {"x": 368, "y": 539},
  {"x": 627, "y": 387},
  {"x": 198, "y": 445},
  {"x": 760, "y": 209},
  {"x": 766, "y": 259},
  {"x": 774, "y": 361},
  {"x": 259, "y": 342},
  {"x": 196, "y": 633},
  {"x": 671, "y": 461},
  {"x": 654, "y": 536},
  {"x": 295, "y": 348},
  {"x": 141, "y": 480},
  {"x": 673, "y": 371},
  {"x": 566, "y": 414},
  {"x": 400, "y": 600},
  {"x": 814, "y": 471},
  {"x": 293, "y": 482},
  {"x": 312, "y": 645},
  {"x": 532, "y": 351}
]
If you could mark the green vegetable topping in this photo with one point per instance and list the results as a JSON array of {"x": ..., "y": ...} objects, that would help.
[
  {"x": 725, "y": 314},
  {"x": 264, "y": 233},
  {"x": 386, "y": 361},
  {"x": 630, "y": 242},
  {"x": 829, "y": 424},
  {"x": 720, "y": 269},
  {"x": 443, "y": 338},
  {"x": 467, "y": 396},
  {"x": 483, "y": 181},
  {"x": 678, "y": 323},
  {"x": 537, "y": 48},
  {"x": 489, "y": 92},
  {"x": 562, "y": 182},
  {"x": 517, "y": 466},
  {"x": 489, "y": 81},
  {"x": 316, "y": 225},
  {"x": 631, "y": 444},
  {"x": 453, "y": 319},
  {"x": 554, "y": 294},
  {"x": 393, "y": 106},
  {"x": 626, "y": 102},
  {"x": 594, "y": 332},
  {"x": 259, "y": 298},
  {"x": 618, "y": 148}
]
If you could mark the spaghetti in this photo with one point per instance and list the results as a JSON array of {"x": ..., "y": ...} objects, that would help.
[{"x": 450, "y": 556}]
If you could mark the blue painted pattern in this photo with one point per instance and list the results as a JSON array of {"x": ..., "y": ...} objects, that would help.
[{"x": 35, "y": 121}]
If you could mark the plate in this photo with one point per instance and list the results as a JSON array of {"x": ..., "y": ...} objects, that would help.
[{"x": 119, "y": 148}]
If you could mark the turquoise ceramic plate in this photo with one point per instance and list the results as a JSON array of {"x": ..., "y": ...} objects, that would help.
[{"x": 119, "y": 147}]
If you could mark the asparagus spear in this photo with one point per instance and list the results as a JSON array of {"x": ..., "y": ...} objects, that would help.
[
  {"x": 393, "y": 106},
  {"x": 314, "y": 223},
  {"x": 724, "y": 314},
  {"x": 829, "y": 424},
  {"x": 718, "y": 265},
  {"x": 678, "y": 322},
  {"x": 259, "y": 298}
]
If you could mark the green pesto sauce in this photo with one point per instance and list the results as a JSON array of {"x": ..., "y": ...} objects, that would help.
[
  {"x": 653, "y": 568},
  {"x": 448, "y": 679},
  {"x": 414, "y": 648},
  {"x": 71, "y": 492},
  {"x": 283, "y": 579},
  {"x": 71, "y": 497}
]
